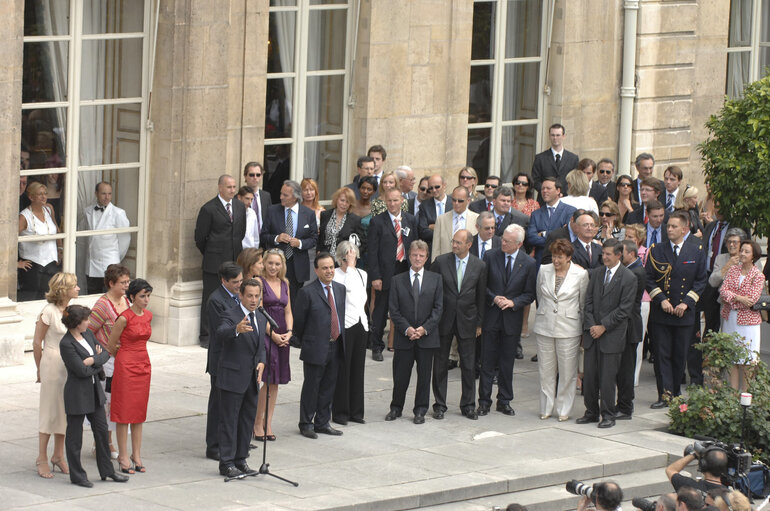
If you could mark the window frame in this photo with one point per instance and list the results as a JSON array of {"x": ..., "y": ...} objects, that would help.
[{"x": 755, "y": 42}]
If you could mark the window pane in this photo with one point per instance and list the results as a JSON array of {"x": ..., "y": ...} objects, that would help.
[
  {"x": 319, "y": 2},
  {"x": 109, "y": 134},
  {"x": 43, "y": 135},
  {"x": 323, "y": 163},
  {"x": 324, "y": 105},
  {"x": 326, "y": 41},
  {"x": 478, "y": 151},
  {"x": 522, "y": 31},
  {"x": 764, "y": 33},
  {"x": 54, "y": 198},
  {"x": 279, "y": 108},
  {"x": 111, "y": 69},
  {"x": 740, "y": 23},
  {"x": 122, "y": 193},
  {"x": 278, "y": 167},
  {"x": 483, "y": 44},
  {"x": 764, "y": 60},
  {"x": 737, "y": 73},
  {"x": 280, "y": 49},
  {"x": 45, "y": 72},
  {"x": 282, "y": 2},
  {"x": 113, "y": 16},
  {"x": 95, "y": 253},
  {"x": 521, "y": 91},
  {"x": 480, "y": 97},
  {"x": 46, "y": 17},
  {"x": 518, "y": 150}
]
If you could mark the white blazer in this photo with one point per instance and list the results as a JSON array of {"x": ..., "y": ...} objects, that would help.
[
  {"x": 560, "y": 315},
  {"x": 106, "y": 249},
  {"x": 444, "y": 230}
]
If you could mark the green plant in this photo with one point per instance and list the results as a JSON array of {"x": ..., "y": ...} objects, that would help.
[
  {"x": 736, "y": 158},
  {"x": 714, "y": 410}
]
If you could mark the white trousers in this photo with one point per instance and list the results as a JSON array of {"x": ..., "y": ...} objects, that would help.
[
  {"x": 640, "y": 346},
  {"x": 557, "y": 356}
]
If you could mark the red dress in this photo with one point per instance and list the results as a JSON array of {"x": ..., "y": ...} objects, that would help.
[{"x": 131, "y": 379}]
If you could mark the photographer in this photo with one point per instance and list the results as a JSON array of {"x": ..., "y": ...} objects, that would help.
[
  {"x": 712, "y": 462},
  {"x": 607, "y": 496},
  {"x": 689, "y": 499}
]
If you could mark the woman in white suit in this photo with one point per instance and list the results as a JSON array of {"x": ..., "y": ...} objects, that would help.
[{"x": 561, "y": 288}]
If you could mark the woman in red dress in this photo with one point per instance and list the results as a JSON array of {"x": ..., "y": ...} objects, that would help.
[{"x": 131, "y": 377}]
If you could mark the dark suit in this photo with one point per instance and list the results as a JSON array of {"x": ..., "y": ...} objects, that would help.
[
  {"x": 381, "y": 247},
  {"x": 352, "y": 225},
  {"x": 495, "y": 240},
  {"x": 501, "y": 332},
  {"x": 219, "y": 240},
  {"x": 84, "y": 397},
  {"x": 580, "y": 255},
  {"x": 306, "y": 231},
  {"x": 540, "y": 222},
  {"x": 479, "y": 205},
  {"x": 236, "y": 379},
  {"x": 405, "y": 313},
  {"x": 427, "y": 217},
  {"x": 320, "y": 353},
  {"x": 708, "y": 301},
  {"x": 220, "y": 302},
  {"x": 625, "y": 378},
  {"x": 263, "y": 198},
  {"x": 679, "y": 279},
  {"x": 512, "y": 217},
  {"x": 598, "y": 192},
  {"x": 545, "y": 166},
  {"x": 637, "y": 184},
  {"x": 610, "y": 306},
  {"x": 637, "y": 217},
  {"x": 611, "y": 188},
  {"x": 562, "y": 233},
  {"x": 463, "y": 311}
]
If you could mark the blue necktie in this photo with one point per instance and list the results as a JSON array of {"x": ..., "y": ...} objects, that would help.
[{"x": 654, "y": 237}]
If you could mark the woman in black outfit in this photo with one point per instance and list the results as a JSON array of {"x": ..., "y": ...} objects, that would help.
[{"x": 339, "y": 223}]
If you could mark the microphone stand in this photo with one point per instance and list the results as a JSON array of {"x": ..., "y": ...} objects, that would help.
[{"x": 265, "y": 467}]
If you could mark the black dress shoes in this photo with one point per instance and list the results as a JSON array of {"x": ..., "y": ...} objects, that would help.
[
  {"x": 587, "y": 419},
  {"x": 357, "y": 420},
  {"x": 620, "y": 416},
  {"x": 438, "y": 414},
  {"x": 452, "y": 364},
  {"x": 505, "y": 409},
  {"x": 118, "y": 478},
  {"x": 392, "y": 415},
  {"x": 657, "y": 405},
  {"x": 471, "y": 414},
  {"x": 328, "y": 430},
  {"x": 419, "y": 419},
  {"x": 341, "y": 422},
  {"x": 519, "y": 353},
  {"x": 606, "y": 423},
  {"x": 308, "y": 433},
  {"x": 482, "y": 410},
  {"x": 534, "y": 358},
  {"x": 246, "y": 469},
  {"x": 377, "y": 356},
  {"x": 85, "y": 483},
  {"x": 231, "y": 472}
]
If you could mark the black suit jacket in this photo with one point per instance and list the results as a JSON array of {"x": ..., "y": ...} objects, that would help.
[
  {"x": 264, "y": 203},
  {"x": 217, "y": 238},
  {"x": 352, "y": 225},
  {"x": 512, "y": 217},
  {"x": 520, "y": 287},
  {"x": 661, "y": 195},
  {"x": 598, "y": 192},
  {"x": 464, "y": 308},
  {"x": 637, "y": 216},
  {"x": 545, "y": 166},
  {"x": 307, "y": 233},
  {"x": 218, "y": 304},
  {"x": 427, "y": 216},
  {"x": 610, "y": 306},
  {"x": 635, "y": 324},
  {"x": 82, "y": 391},
  {"x": 562, "y": 233},
  {"x": 382, "y": 242},
  {"x": 496, "y": 243},
  {"x": 580, "y": 256},
  {"x": 478, "y": 206},
  {"x": 240, "y": 353},
  {"x": 427, "y": 314},
  {"x": 611, "y": 188},
  {"x": 313, "y": 325}
]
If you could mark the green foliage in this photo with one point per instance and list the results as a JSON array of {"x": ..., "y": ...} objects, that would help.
[
  {"x": 736, "y": 158},
  {"x": 714, "y": 410}
]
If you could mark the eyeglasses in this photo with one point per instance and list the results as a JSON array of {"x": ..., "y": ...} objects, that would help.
[
  {"x": 423, "y": 189},
  {"x": 466, "y": 178},
  {"x": 252, "y": 174},
  {"x": 436, "y": 187},
  {"x": 522, "y": 183},
  {"x": 490, "y": 186},
  {"x": 459, "y": 201},
  {"x": 604, "y": 213},
  {"x": 624, "y": 184},
  {"x": 605, "y": 172}
]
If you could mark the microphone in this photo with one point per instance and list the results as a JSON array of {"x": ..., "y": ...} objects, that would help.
[{"x": 270, "y": 320}]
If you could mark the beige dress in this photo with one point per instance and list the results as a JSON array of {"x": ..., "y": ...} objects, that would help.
[{"x": 53, "y": 374}]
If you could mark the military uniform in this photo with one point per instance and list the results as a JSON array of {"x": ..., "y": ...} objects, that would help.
[{"x": 679, "y": 279}]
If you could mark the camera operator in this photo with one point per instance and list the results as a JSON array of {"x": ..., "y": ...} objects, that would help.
[
  {"x": 689, "y": 499},
  {"x": 607, "y": 496},
  {"x": 712, "y": 463}
]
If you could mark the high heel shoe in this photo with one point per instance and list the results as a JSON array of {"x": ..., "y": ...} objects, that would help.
[
  {"x": 60, "y": 465},
  {"x": 137, "y": 467},
  {"x": 46, "y": 473},
  {"x": 126, "y": 469}
]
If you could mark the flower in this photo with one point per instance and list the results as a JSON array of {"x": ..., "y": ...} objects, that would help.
[{"x": 683, "y": 407}]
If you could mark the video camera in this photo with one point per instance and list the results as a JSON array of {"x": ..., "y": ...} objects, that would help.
[
  {"x": 644, "y": 504},
  {"x": 576, "y": 487},
  {"x": 738, "y": 459}
]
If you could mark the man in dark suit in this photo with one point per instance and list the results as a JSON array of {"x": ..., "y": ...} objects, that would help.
[
  {"x": 588, "y": 253},
  {"x": 219, "y": 231},
  {"x": 552, "y": 215},
  {"x": 605, "y": 171},
  {"x": 568, "y": 232},
  {"x": 504, "y": 214},
  {"x": 464, "y": 278},
  {"x": 650, "y": 189},
  {"x": 485, "y": 239},
  {"x": 676, "y": 278},
  {"x": 596, "y": 191},
  {"x": 438, "y": 204},
  {"x": 321, "y": 330},
  {"x": 554, "y": 162},
  {"x": 413, "y": 205},
  {"x": 254, "y": 174},
  {"x": 291, "y": 227},
  {"x": 390, "y": 234},
  {"x": 511, "y": 277},
  {"x": 365, "y": 167},
  {"x": 625, "y": 378},
  {"x": 487, "y": 203},
  {"x": 223, "y": 299},
  {"x": 416, "y": 301},
  {"x": 608, "y": 308},
  {"x": 715, "y": 240},
  {"x": 645, "y": 164},
  {"x": 242, "y": 333}
]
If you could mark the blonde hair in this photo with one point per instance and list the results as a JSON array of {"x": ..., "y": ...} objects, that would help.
[
  {"x": 349, "y": 195},
  {"x": 382, "y": 180},
  {"x": 312, "y": 184},
  {"x": 613, "y": 207},
  {"x": 33, "y": 188},
  {"x": 639, "y": 230},
  {"x": 577, "y": 183},
  {"x": 58, "y": 287},
  {"x": 279, "y": 253}
]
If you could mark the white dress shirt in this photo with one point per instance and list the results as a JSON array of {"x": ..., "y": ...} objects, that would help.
[{"x": 354, "y": 281}]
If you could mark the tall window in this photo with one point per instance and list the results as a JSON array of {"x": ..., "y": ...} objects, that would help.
[
  {"x": 748, "y": 52},
  {"x": 504, "y": 108},
  {"x": 83, "y": 105},
  {"x": 307, "y": 80}
]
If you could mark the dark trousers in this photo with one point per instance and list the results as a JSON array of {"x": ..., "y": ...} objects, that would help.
[
  {"x": 671, "y": 345},
  {"x": 212, "y": 419},
  {"x": 210, "y": 283},
  {"x": 379, "y": 317},
  {"x": 236, "y": 426},
  {"x": 467, "y": 350},
  {"x": 73, "y": 442},
  {"x": 695, "y": 356},
  {"x": 600, "y": 371},
  {"x": 294, "y": 284},
  {"x": 349, "y": 391},
  {"x": 403, "y": 361},
  {"x": 315, "y": 403},
  {"x": 498, "y": 351},
  {"x": 95, "y": 285},
  {"x": 625, "y": 379},
  {"x": 33, "y": 283}
]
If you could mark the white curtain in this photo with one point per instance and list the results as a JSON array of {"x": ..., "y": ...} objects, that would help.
[
  {"x": 740, "y": 35},
  {"x": 55, "y": 19}
]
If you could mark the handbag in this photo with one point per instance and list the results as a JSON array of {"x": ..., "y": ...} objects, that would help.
[{"x": 762, "y": 304}]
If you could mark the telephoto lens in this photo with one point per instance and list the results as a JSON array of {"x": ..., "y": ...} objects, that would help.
[
  {"x": 644, "y": 504},
  {"x": 576, "y": 487}
]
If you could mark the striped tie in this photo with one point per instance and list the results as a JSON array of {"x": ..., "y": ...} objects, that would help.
[{"x": 400, "y": 245}]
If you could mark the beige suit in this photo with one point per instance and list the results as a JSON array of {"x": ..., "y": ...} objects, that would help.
[
  {"x": 444, "y": 230},
  {"x": 558, "y": 327}
]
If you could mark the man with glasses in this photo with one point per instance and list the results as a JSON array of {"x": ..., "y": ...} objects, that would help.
[
  {"x": 645, "y": 163},
  {"x": 554, "y": 162},
  {"x": 605, "y": 171},
  {"x": 487, "y": 203},
  {"x": 423, "y": 194},
  {"x": 588, "y": 254},
  {"x": 253, "y": 174},
  {"x": 434, "y": 207},
  {"x": 596, "y": 191},
  {"x": 553, "y": 215},
  {"x": 451, "y": 222},
  {"x": 650, "y": 191},
  {"x": 405, "y": 176}
]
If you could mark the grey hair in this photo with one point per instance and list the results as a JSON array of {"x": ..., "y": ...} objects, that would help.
[
  {"x": 418, "y": 245},
  {"x": 503, "y": 190},
  {"x": 483, "y": 216},
  {"x": 403, "y": 171},
  {"x": 295, "y": 188},
  {"x": 736, "y": 231},
  {"x": 517, "y": 230},
  {"x": 342, "y": 250},
  {"x": 643, "y": 156}
]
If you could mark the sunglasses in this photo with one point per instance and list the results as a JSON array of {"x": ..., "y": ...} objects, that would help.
[
  {"x": 459, "y": 201},
  {"x": 252, "y": 174},
  {"x": 423, "y": 189},
  {"x": 466, "y": 178},
  {"x": 624, "y": 184},
  {"x": 605, "y": 172},
  {"x": 604, "y": 213},
  {"x": 436, "y": 187},
  {"x": 522, "y": 183},
  {"x": 490, "y": 186}
]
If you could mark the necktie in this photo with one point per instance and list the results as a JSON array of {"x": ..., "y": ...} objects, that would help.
[
  {"x": 558, "y": 160},
  {"x": 229, "y": 211},
  {"x": 498, "y": 221},
  {"x": 607, "y": 277},
  {"x": 440, "y": 206},
  {"x": 255, "y": 206},
  {"x": 508, "y": 266},
  {"x": 400, "y": 243},
  {"x": 489, "y": 206},
  {"x": 676, "y": 251},
  {"x": 101, "y": 208},
  {"x": 670, "y": 202},
  {"x": 288, "y": 249},
  {"x": 237, "y": 300},
  {"x": 645, "y": 215},
  {"x": 335, "y": 323},
  {"x": 588, "y": 249},
  {"x": 253, "y": 323},
  {"x": 550, "y": 212},
  {"x": 715, "y": 244},
  {"x": 653, "y": 237},
  {"x": 460, "y": 274},
  {"x": 416, "y": 292},
  {"x": 483, "y": 249},
  {"x": 458, "y": 221}
]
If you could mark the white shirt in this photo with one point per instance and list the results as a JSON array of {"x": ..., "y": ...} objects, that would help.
[
  {"x": 464, "y": 262},
  {"x": 554, "y": 153},
  {"x": 105, "y": 249},
  {"x": 88, "y": 348},
  {"x": 458, "y": 221},
  {"x": 442, "y": 209},
  {"x": 40, "y": 252},
  {"x": 486, "y": 246},
  {"x": 416, "y": 206},
  {"x": 354, "y": 281},
  {"x": 612, "y": 271},
  {"x": 251, "y": 239},
  {"x": 677, "y": 248},
  {"x": 246, "y": 312},
  {"x": 225, "y": 203}
]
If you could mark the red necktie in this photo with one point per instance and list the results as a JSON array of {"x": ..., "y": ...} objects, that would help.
[
  {"x": 400, "y": 245},
  {"x": 335, "y": 333},
  {"x": 229, "y": 211},
  {"x": 489, "y": 206}
]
